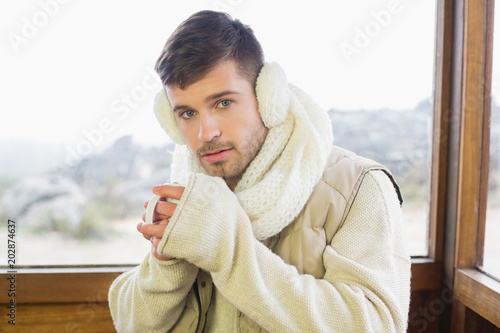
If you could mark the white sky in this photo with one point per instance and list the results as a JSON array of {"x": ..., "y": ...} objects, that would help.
[{"x": 71, "y": 73}]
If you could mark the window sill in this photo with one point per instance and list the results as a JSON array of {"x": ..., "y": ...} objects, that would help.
[
  {"x": 479, "y": 292},
  {"x": 81, "y": 284}
]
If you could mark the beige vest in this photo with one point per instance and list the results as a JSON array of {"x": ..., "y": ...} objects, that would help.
[{"x": 303, "y": 242}]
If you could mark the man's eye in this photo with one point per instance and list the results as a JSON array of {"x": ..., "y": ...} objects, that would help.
[
  {"x": 187, "y": 114},
  {"x": 224, "y": 104}
]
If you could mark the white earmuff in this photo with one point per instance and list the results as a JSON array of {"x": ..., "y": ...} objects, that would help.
[
  {"x": 165, "y": 116},
  {"x": 273, "y": 94}
]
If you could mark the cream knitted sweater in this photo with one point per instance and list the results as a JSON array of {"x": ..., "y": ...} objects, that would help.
[{"x": 365, "y": 288}]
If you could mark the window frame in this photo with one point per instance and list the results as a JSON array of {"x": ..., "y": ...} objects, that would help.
[{"x": 472, "y": 287}]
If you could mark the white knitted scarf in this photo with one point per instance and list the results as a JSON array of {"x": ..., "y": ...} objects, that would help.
[{"x": 278, "y": 182}]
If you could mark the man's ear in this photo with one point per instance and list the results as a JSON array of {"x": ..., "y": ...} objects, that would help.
[
  {"x": 165, "y": 116},
  {"x": 273, "y": 94}
]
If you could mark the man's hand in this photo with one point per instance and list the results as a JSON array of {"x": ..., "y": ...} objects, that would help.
[{"x": 163, "y": 212}]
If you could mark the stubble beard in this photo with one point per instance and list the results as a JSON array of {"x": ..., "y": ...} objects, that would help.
[{"x": 240, "y": 159}]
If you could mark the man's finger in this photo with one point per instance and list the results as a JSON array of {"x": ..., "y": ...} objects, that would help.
[
  {"x": 139, "y": 228},
  {"x": 157, "y": 229},
  {"x": 165, "y": 208},
  {"x": 155, "y": 242},
  {"x": 169, "y": 191},
  {"x": 156, "y": 217}
]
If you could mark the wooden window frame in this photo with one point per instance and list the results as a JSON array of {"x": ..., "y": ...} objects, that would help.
[{"x": 472, "y": 287}]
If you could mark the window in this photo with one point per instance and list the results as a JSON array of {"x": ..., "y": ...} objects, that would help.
[
  {"x": 491, "y": 262},
  {"x": 82, "y": 148},
  {"x": 382, "y": 112},
  {"x": 472, "y": 287}
]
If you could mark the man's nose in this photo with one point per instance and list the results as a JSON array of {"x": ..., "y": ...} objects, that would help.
[{"x": 209, "y": 128}]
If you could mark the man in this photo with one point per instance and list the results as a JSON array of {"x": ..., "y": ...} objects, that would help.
[{"x": 275, "y": 229}]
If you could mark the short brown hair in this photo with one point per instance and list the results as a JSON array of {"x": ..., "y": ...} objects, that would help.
[{"x": 204, "y": 40}]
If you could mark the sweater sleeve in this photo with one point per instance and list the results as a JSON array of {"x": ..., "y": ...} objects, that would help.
[
  {"x": 366, "y": 285},
  {"x": 152, "y": 296}
]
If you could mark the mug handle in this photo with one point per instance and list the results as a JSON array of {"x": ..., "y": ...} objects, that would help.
[
  {"x": 151, "y": 208},
  {"x": 152, "y": 204}
]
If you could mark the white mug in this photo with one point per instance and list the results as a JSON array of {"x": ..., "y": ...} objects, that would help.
[{"x": 154, "y": 200}]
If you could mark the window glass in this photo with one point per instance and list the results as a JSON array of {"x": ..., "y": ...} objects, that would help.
[
  {"x": 80, "y": 148},
  {"x": 491, "y": 264}
]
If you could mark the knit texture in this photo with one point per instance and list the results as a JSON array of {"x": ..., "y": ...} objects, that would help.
[
  {"x": 365, "y": 287},
  {"x": 278, "y": 182}
]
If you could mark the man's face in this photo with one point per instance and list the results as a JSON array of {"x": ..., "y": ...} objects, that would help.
[{"x": 219, "y": 120}]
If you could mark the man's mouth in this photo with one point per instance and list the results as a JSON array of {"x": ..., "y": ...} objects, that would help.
[{"x": 216, "y": 156}]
